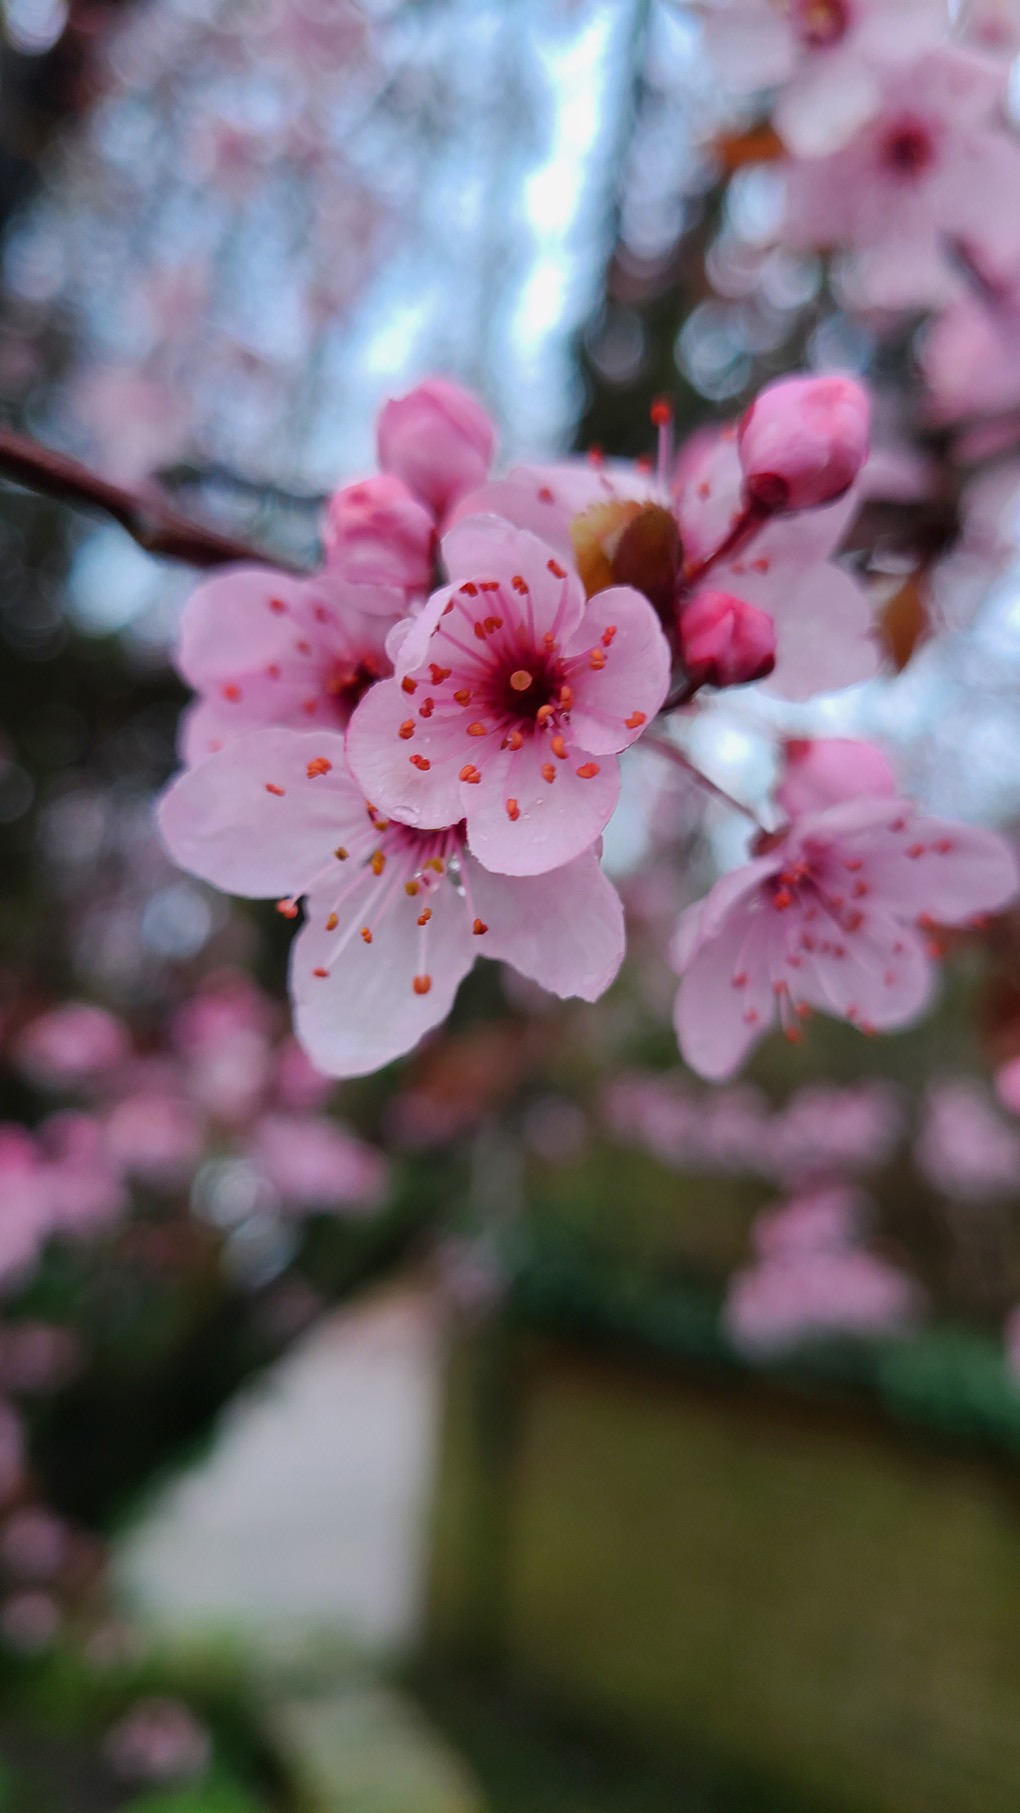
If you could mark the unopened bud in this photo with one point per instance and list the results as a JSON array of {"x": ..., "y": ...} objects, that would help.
[
  {"x": 376, "y": 533},
  {"x": 439, "y": 440},
  {"x": 803, "y": 441},
  {"x": 726, "y": 642}
]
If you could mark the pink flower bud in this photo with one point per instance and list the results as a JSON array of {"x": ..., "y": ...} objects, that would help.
[
  {"x": 439, "y": 440},
  {"x": 822, "y": 771},
  {"x": 726, "y": 642},
  {"x": 803, "y": 441},
  {"x": 376, "y": 533}
]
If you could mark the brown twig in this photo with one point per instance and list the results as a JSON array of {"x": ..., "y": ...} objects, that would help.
[{"x": 155, "y": 527}]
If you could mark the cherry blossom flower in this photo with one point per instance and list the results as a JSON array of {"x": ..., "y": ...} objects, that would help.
[
  {"x": 963, "y": 1148},
  {"x": 261, "y": 647},
  {"x": 676, "y": 540},
  {"x": 395, "y": 916},
  {"x": 511, "y": 698},
  {"x": 73, "y": 1046},
  {"x": 824, "y": 54},
  {"x": 315, "y": 1163},
  {"x": 812, "y": 1279},
  {"x": 932, "y": 171},
  {"x": 830, "y": 914},
  {"x": 438, "y": 440},
  {"x": 377, "y": 535},
  {"x": 970, "y": 356},
  {"x": 803, "y": 441}
]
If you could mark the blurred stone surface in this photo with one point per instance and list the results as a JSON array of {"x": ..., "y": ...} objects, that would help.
[{"x": 307, "y": 1519}]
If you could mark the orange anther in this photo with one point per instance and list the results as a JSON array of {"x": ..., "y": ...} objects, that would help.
[
  {"x": 566, "y": 698},
  {"x": 520, "y": 679},
  {"x": 320, "y": 972},
  {"x": 420, "y": 761},
  {"x": 478, "y": 928},
  {"x": 366, "y": 934},
  {"x": 477, "y": 730},
  {"x": 470, "y": 588},
  {"x": 406, "y": 729},
  {"x": 587, "y": 771},
  {"x": 554, "y": 567},
  {"x": 558, "y": 747},
  {"x": 231, "y": 692},
  {"x": 439, "y": 674},
  {"x": 408, "y": 684},
  {"x": 635, "y": 721},
  {"x": 288, "y": 908},
  {"x": 277, "y": 605},
  {"x": 332, "y": 923},
  {"x": 661, "y": 412},
  {"x": 596, "y": 658},
  {"x": 318, "y": 765},
  {"x": 470, "y": 773},
  {"x": 270, "y": 788},
  {"x": 608, "y": 633},
  {"x": 424, "y": 917},
  {"x": 340, "y": 853},
  {"x": 437, "y": 863},
  {"x": 462, "y": 696},
  {"x": 422, "y": 984},
  {"x": 548, "y": 771},
  {"x": 519, "y": 584},
  {"x": 480, "y": 631},
  {"x": 513, "y": 811},
  {"x": 377, "y": 862},
  {"x": 493, "y": 624},
  {"x": 425, "y": 710},
  {"x": 411, "y": 888},
  {"x": 514, "y": 740},
  {"x": 488, "y": 585}
]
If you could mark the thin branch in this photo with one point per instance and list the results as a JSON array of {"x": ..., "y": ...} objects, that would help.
[
  {"x": 677, "y": 756},
  {"x": 153, "y": 525}
]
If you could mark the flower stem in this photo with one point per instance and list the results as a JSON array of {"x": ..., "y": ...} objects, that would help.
[{"x": 680, "y": 760}]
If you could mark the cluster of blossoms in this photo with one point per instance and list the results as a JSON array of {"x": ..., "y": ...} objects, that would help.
[{"x": 422, "y": 740}]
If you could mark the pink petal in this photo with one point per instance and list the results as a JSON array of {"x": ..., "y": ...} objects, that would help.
[
  {"x": 546, "y": 823},
  {"x": 947, "y": 871},
  {"x": 489, "y": 548},
  {"x": 229, "y": 625},
  {"x": 365, "y": 1012},
  {"x": 882, "y": 979},
  {"x": 381, "y": 759},
  {"x": 564, "y": 929},
  {"x": 613, "y": 704},
  {"x": 725, "y": 1002},
  {"x": 252, "y": 822}
]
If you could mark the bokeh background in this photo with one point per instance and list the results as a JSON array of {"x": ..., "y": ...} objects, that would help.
[{"x": 400, "y": 1445}]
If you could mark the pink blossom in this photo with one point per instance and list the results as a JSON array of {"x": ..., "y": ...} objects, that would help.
[
  {"x": 826, "y": 56},
  {"x": 315, "y": 1163},
  {"x": 261, "y": 647},
  {"x": 822, "y": 617},
  {"x": 511, "y": 697},
  {"x": 810, "y": 1280},
  {"x": 395, "y": 917},
  {"x": 932, "y": 170},
  {"x": 970, "y": 356},
  {"x": 830, "y": 915},
  {"x": 25, "y": 1212},
  {"x": 439, "y": 440},
  {"x": 726, "y": 642},
  {"x": 156, "y": 1136},
  {"x": 803, "y": 441},
  {"x": 222, "y": 1033},
  {"x": 1007, "y": 1085},
  {"x": 824, "y": 1129},
  {"x": 33, "y": 1543},
  {"x": 822, "y": 771},
  {"x": 299, "y": 1087},
  {"x": 71, "y": 1047},
  {"x": 378, "y": 534},
  {"x": 83, "y": 1185},
  {"x": 963, "y": 1148}
]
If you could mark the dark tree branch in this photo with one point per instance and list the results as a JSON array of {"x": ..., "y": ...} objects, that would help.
[{"x": 152, "y": 524}]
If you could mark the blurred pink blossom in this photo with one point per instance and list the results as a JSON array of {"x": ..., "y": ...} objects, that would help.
[
  {"x": 158, "y": 1740},
  {"x": 439, "y": 440},
  {"x": 963, "y": 1148},
  {"x": 316, "y": 1163},
  {"x": 74, "y": 1046}
]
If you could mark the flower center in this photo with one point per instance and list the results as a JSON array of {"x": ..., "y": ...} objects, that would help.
[
  {"x": 820, "y": 23},
  {"x": 522, "y": 691},
  {"x": 348, "y": 681},
  {"x": 908, "y": 149}
]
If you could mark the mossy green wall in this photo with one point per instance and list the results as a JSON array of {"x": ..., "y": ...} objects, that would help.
[{"x": 801, "y": 1595}]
